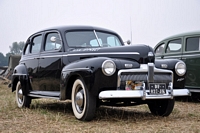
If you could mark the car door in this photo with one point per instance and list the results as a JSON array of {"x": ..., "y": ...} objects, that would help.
[
  {"x": 191, "y": 57},
  {"x": 50, "y": 62},
  {"x": 31, "y": 56}
]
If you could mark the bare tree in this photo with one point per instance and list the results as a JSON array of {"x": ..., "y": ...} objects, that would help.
[{"x": 16, "y": 47}]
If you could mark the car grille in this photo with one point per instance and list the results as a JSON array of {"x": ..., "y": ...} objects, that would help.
[{"x": 158, "y": 78}]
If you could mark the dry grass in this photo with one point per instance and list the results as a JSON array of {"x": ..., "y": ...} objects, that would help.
[{"x": 55, "y": 116}]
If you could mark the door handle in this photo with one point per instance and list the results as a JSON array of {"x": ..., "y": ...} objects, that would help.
[{"x": 39, "y": 58}]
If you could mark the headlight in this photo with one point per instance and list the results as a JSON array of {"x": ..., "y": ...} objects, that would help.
[
  {"x": 180, "y": 68},
  {"x": 108, "y": 67}
]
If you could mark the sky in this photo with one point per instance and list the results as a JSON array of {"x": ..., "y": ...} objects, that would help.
[{"x": 141, "y": 21}]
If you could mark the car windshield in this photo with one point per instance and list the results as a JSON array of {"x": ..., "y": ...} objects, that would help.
[{"x": 79, "y": 39}]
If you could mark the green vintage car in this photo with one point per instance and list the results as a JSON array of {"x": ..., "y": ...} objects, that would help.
[{"x": 187, "y": 48}]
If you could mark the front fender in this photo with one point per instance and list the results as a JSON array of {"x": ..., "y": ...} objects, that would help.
[
  {"x": 90, "y": 71},
  {"x": 169, "y": 64},
  {"x": 19, "y": 74}
]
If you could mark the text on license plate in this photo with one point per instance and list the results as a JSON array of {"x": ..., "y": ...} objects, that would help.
[{"x": 157, "y": 88}]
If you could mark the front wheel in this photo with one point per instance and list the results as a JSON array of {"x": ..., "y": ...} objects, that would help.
[
  {"x": 21, "y": 99},
  {"x": 83, "y": 102},
  {"x": 161, "y": 107}
]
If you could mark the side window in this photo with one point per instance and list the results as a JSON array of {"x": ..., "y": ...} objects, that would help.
[
  {"x": 159, "y": 50},
  {"x": 192, "y": 44},
  {"x": 174, "y": 46},
  {"x": 52, "y": 42},
  {"x": 36, "y": 44},
  {"x": 27, "y": 49}
]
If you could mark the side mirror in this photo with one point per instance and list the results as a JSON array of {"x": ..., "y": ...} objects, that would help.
[
  {"x": 128, "y": 42},
  {"x": 53, "y": 39}
]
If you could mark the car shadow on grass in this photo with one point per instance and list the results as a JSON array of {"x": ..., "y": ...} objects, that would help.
[
  {"x": 194, "y": 98},
  {"x": 103, "y": 113}
]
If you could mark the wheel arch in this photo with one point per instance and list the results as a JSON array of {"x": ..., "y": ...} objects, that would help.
[{"x": 68, "y": 79}]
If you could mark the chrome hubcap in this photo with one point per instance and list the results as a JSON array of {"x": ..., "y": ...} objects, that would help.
[
  {"x": 79, "y": 100},
  {"x": 20, "y": 96}
]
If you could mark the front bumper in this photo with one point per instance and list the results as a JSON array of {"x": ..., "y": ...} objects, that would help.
[{"x": 142, "y": 94}]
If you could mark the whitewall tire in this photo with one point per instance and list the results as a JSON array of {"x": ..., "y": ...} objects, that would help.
[{"x": 83, "y": 103}]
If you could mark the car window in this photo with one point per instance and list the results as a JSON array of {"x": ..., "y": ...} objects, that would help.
[
  {"x": 174, "y": 46},
  {"x": 159, "y": 50},
  {"x": 52, "y": 45},
  {"x": 95, "y": 43},
  {"x": 36, "y": 44},
  {"x": 192, "y": 44},
  {"x": 91, "y": 39},
  {"x": 27, "y": 49},
  {"x": 108, "y": 40}
]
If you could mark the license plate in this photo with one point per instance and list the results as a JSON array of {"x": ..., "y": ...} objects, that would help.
[{"x": 157, "y": 88}]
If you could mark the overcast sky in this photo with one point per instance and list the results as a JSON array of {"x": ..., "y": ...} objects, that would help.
[{"x": 149, "y": 20}]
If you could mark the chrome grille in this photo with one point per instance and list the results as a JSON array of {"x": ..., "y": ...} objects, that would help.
[
  {"x": 141, "y": 74},
  {"x": 165, "y": 77}
]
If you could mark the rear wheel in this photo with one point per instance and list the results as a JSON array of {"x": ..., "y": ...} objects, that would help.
[
  {"x": 21, "y": 99},
  {"x": 162, "y": 107},
  {"x": 83, "y": 102}
]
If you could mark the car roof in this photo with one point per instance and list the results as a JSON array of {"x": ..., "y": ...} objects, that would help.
[
  {"x": 181, "y": 34},
  {"x": 76, "y": 27}
]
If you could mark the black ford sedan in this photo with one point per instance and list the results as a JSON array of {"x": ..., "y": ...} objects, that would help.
[{"x": 91, "y": 67}]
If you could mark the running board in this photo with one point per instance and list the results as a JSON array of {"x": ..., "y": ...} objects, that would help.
[{"x": 45, "y": 94}]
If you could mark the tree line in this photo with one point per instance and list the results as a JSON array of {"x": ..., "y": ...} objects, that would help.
[{"x": 15, "y": 49}]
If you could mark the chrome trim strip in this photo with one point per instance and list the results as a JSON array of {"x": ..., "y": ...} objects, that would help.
[
  {"x": 119, "y": 53},
  {"x": 150, "y": 72},
  {"x": 39, "y": 96},
  {"x": 166, "y": 56},
  {"x": 51, "y": 56},
  {"x": 170, "y": 87},
  {"x": 75, "y": 69},
  {"x": 193, "y": 55},
  {"x": 139, "y": 94}
]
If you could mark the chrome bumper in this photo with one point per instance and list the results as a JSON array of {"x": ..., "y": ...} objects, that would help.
[{"x": 142, "y": 94}]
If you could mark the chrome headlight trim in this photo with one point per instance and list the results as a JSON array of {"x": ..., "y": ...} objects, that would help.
[
  {"x": 180, "y": 68},
  {"x": 108, "y": 67}
]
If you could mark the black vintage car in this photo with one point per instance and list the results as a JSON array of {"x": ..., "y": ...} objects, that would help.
[{"x": 91, "y": 67}]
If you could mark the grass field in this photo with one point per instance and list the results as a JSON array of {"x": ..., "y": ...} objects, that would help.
[{"x": 54, "y": 116}]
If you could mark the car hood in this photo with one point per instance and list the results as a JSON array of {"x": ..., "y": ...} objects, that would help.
[{"x": 137, "y": 53}]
